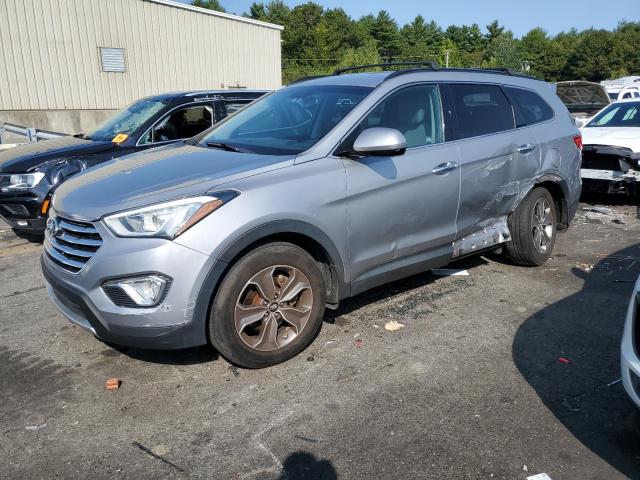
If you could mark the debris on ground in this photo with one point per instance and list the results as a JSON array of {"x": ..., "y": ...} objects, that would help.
[
  {"x": 35, "y": 427},
  {"x": 156, "y": 456},
  {"x": 234, "y": 370},
  {"x": 112, "y": 384},
  {"x": 615, "y": 382},
  {"x": 540, "y": 476},
  {"x": 392, "y": 326},
  {"x": 450, "y": 272},
  {"x": 599, "y": 214},
  {"x": 564, "y": 360},
  {"x": 601, "y": 210},
  {"x": 359, "y": 343},
  {"x": 585, "y": 266}
]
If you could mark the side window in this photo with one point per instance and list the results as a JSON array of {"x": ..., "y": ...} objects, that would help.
[
  {"x": 529, "y": 107},
  {"x": 232, "y": 106},
  {"x": 181, "y": 123},
  {"x": 481, "y": 109},
  {"x": 415, "y": 111}
]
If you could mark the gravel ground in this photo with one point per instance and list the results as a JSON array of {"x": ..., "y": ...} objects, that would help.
[{"x": 472, "y": 387}]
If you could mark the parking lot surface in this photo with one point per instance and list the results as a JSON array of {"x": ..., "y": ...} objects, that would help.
[{"x": 503, "y": 374}]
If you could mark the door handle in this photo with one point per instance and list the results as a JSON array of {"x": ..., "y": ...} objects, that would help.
[
  {"x": 444, "y": 168},
  {"x": 526, "y": 148}
]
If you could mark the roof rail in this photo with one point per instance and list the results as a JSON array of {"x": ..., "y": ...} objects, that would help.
[{"x": 429, "y": 65}]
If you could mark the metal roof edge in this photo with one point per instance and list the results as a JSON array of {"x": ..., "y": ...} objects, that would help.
[{"x": 206, "y": 11}]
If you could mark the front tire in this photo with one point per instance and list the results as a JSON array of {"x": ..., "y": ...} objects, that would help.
[
  {"x": 269, "y": 306},
  {"x": 533, "y": 229}
]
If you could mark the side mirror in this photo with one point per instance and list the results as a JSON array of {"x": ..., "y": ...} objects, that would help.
[{"x": 379, "y": 141}]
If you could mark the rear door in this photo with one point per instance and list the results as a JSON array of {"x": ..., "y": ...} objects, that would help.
[
  {"x": 401, "y": 210},
  {"x": 484, "y": 135}
]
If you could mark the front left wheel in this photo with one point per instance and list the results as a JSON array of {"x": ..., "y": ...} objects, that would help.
[{"x": 269, "y": 306}]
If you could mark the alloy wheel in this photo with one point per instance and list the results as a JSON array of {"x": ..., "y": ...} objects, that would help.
[
  {"x": 542, "y": 225},
  {"x": 273, "y": 308}
]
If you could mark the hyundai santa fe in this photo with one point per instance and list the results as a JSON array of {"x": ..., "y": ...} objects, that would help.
[{"x": 241, "y": 236}]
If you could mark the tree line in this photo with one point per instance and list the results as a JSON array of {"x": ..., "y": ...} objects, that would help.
[{"x": 316, "y": 41}]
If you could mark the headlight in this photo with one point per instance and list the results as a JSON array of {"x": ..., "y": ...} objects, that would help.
[
  {"x": 20, "y": 181},
  {"x": 166, "y": 220}
]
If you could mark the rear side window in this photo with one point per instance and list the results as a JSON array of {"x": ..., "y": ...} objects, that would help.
[
  {"x": 528, "y": 107},
  {"x": 481, "y": 110}
]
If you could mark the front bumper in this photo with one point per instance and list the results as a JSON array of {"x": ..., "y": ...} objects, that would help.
[
  {"x": 176, "y": 323},
  {"x": 611, "y": 181},
  {"x": 22, "y": 211},
  {"x": 630, "y": 350}
]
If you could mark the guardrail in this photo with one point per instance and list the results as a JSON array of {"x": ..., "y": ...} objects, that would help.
[{"x": 32, "y": 134}]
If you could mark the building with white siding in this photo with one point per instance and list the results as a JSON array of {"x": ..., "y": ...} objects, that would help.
[{"x": 67, "y": 64}]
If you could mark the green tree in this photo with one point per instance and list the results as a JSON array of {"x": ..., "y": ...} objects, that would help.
[
  {"x": 470, "y": 43},
  {"x": 384, "y": 31},
  {"x": 210, "y": 4},
  {"x": 595, "y": 57},
  {"x": 420, "y": 40}
]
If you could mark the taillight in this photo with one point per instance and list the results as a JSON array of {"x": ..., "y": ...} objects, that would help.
[{"x": 578, "y": 141}]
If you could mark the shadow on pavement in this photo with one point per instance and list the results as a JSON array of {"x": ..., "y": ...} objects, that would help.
[
  {"x": 188, "y": 356},
  {"x": 585, "y": 328},
  {"x": 304, "y": 466}
]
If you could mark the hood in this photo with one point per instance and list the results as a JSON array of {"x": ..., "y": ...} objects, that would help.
[
  {"x": 25, "y": 158},
  {"x": 154, "y": 176},
  {"x": 582, "y": 98},
  {"x": 626, "y": 137}
]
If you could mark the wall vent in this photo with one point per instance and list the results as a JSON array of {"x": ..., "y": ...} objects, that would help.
[{"x": 112, "y": 60}]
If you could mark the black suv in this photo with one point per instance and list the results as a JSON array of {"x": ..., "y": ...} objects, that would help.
[{"x": 30, "y": 173}]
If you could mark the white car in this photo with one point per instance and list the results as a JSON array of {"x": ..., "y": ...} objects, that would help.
[
  {"x": 611, "y": 149},
  {"x": 630, "y": 352},
  {"x": 623, "y": 93}
]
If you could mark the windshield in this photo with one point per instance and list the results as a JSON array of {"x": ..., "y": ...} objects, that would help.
[
  {"x": 618, "y": 115},
  {"x": 289, "y": 121},
  {"x": 613, "y": 95},
  {"x": 127, "y": 121}
]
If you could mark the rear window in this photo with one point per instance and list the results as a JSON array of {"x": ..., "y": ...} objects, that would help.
[
  {"x": 528, "y": 107},
  {"x": 481, "y": 110}
]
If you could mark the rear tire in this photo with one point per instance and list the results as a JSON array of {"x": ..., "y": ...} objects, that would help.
[
  {"x": 533, "y": 229},
  {"x": 269, "y": 306}
]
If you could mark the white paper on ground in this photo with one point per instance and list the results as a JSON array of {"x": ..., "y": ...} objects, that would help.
[
  {"x": 447, "y": 272},
  {"x": 540, "y": 476}
]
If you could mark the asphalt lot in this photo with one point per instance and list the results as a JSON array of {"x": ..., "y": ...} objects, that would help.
[{"x": 471, "y": 388}]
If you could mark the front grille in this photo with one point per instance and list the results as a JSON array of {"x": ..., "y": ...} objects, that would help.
[{"x": 72, "y": 244}]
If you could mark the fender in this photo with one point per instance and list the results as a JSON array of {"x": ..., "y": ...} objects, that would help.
[
  {"x": 562, "y": 183},
  {"x": 291, "y": 226}
]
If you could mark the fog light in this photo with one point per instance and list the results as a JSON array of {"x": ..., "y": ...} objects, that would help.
[{"x": 143, "y": 291}]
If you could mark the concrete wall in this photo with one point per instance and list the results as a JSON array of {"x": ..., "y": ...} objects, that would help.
[{"x": 50, "y": 56}]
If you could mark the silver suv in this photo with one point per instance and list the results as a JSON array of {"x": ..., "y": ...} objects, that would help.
[{"x": 242, "y": 236}]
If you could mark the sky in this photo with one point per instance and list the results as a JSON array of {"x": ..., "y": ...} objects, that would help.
[{"x": 518, "y": 15}]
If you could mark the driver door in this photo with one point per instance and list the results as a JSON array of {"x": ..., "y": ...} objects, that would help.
[{"x": 402, "y": 209}]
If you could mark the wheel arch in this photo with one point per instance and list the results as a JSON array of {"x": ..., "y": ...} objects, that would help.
[
  {"x": 559, "y": 190},
  {"x": 304, "y": 235}
]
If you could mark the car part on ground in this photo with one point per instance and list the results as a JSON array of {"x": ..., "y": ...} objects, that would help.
[
  {"x": 149, "y": 122},
  {"x": 340, "y": 184}
]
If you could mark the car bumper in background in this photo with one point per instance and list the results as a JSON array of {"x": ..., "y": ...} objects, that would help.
[
  {"x": 630, "y": 358},
  {"x": 23, "y": 211}
]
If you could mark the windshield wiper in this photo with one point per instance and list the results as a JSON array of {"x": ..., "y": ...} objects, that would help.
[{"x": 224, "y": 146}]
